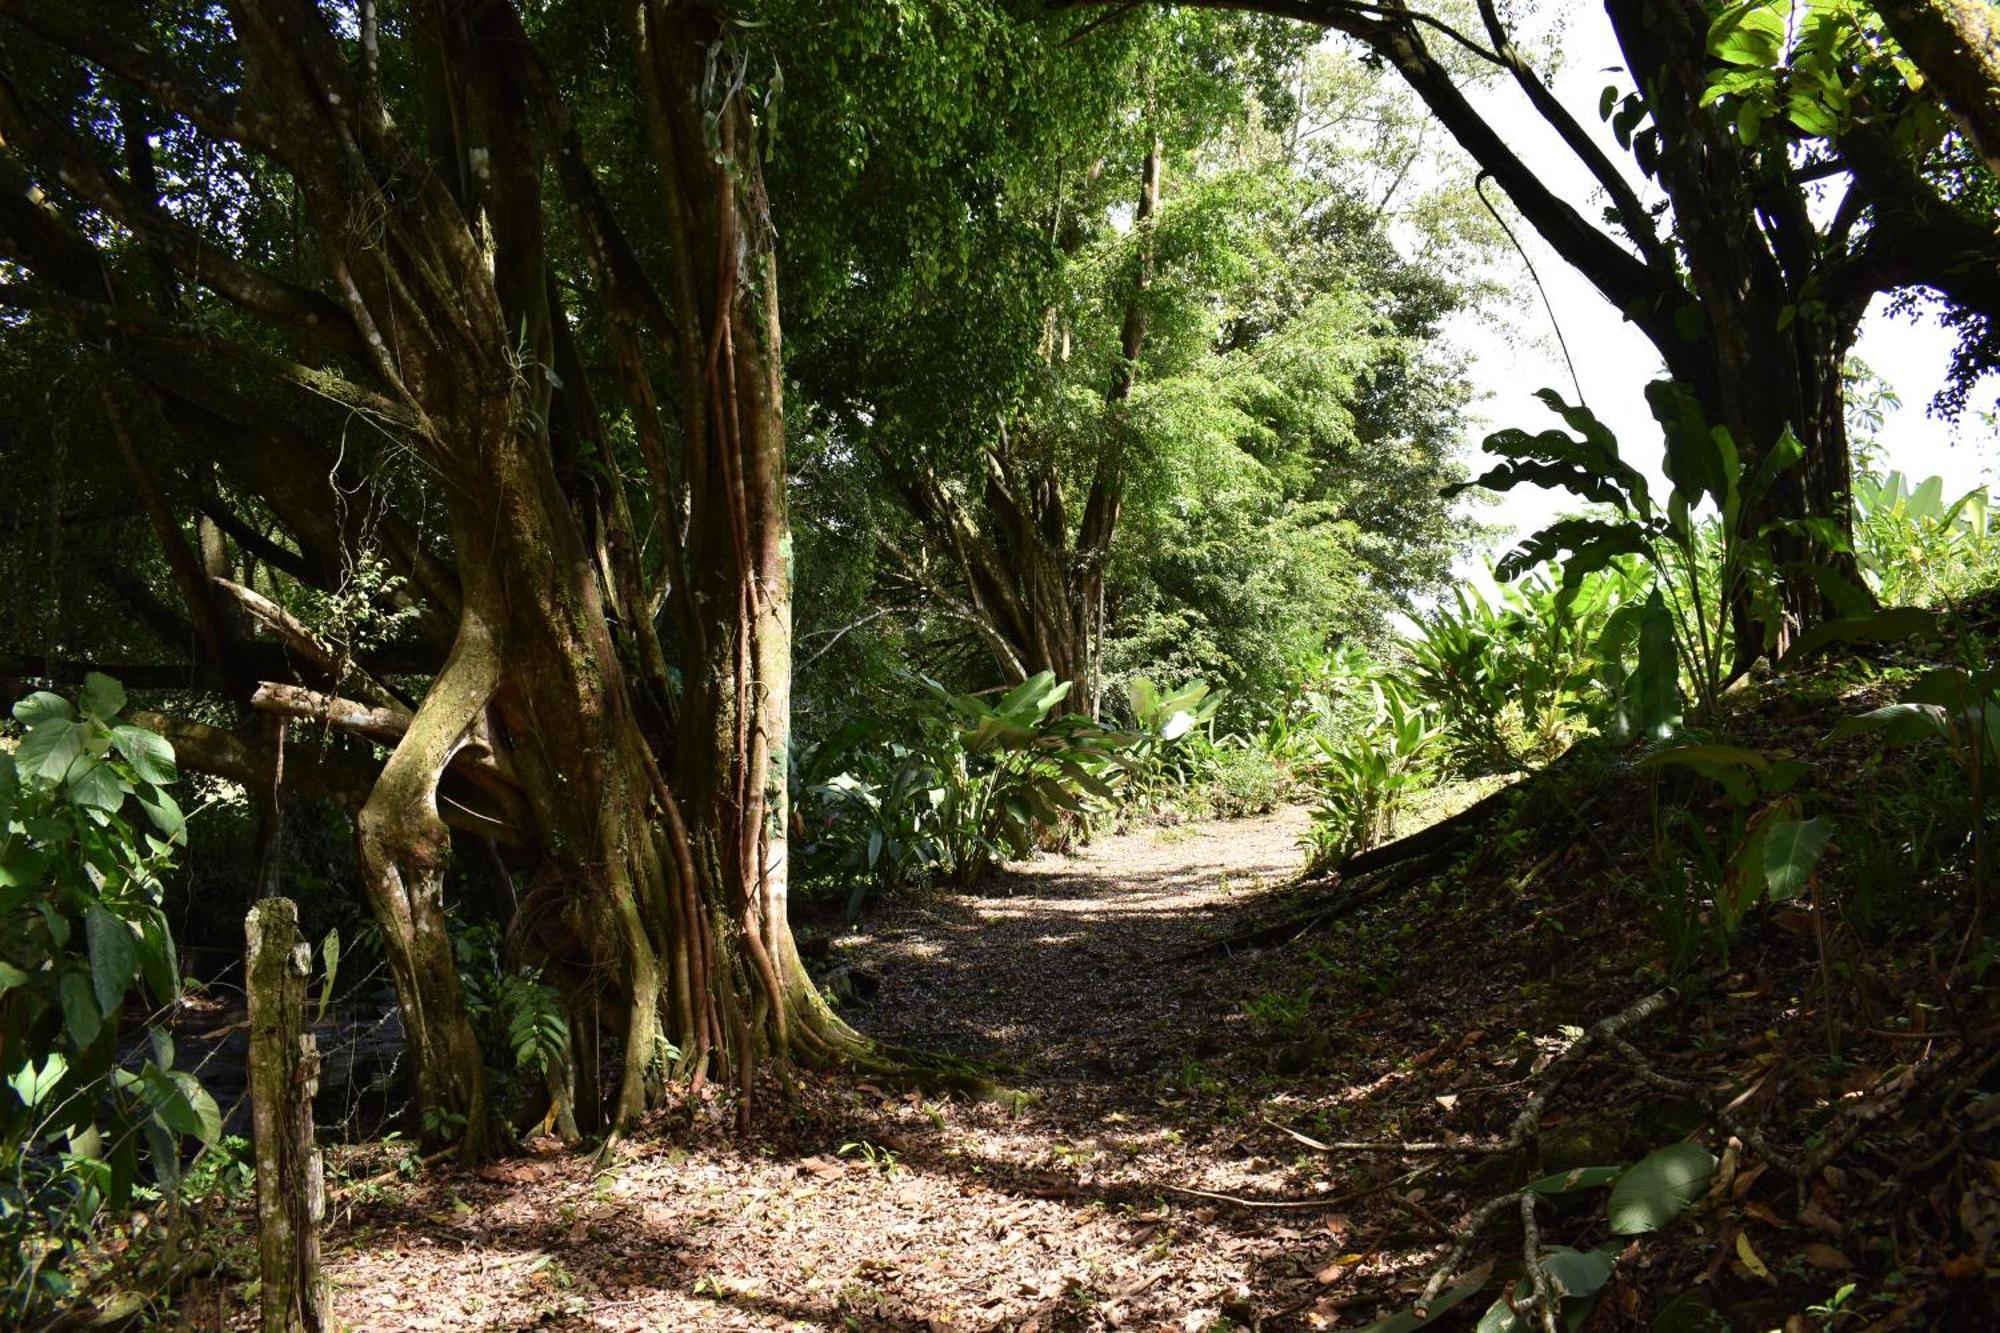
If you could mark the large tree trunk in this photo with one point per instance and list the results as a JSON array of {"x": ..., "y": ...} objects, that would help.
[
  {"x": 1956, "y": 43},
  {"x": 1034, "y": 590},
  {"x": 1768, "y": 354},
  {"x": 657, "y": 822}
]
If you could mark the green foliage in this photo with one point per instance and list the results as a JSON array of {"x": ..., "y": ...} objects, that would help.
[
  {"x": 1517, "y": 680},
  {"x": 983, "y": 781},
  {"x": 512, "y": 1010},
  {"x": 1704, "y": 571},
  {"x": 1660, "y": 1188},
  {"x": 1704, "y": 884},
  {"x": 87, "y": 829},
  {"x": 1162, "y": 755},
  {"x": 1917, "y": 550},
  {"x": 1959, "y": 709},
  {"x": 1366, "y": 777}
]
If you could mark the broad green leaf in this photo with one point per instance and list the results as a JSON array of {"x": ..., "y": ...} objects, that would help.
[
  {"x": 10, "y": 977},
  {"x": 1144, "y": 697},
  {"x": 1449, "y": 1299},
  {"x": 159, "y": 962},
  {"x": 1659, "y": 1188},
  {"x": 151, "y": 755},
  {"x": 113, "y": 956},
  {"x": 1581, "y": 1178},
  {"x": 208, "y": 1116},
  {"x": 103, "y": 698},
  {"x": 81, "y": 1016},
  {"x": 40, "y": 707},
  {"x": 33, "y": 1085},
  {"x": 171, "y": 1100},
  {"x": 1579, "y": 1273},
  {"x": 50, "y": 747},
  {"x": 164, "y": 811},
  {"x": 1791, "y": 849},
  {"x": 93, "y": 784},
  {"x": 1704, "y": 756},
  {"x": 1904, "y": 723},
  {"x": 1656, "y": 683}
]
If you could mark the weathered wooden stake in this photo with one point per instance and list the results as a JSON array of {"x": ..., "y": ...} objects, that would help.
[{"x": 284, "y": 1075}]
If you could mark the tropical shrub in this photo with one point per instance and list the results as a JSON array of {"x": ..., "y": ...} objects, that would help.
[
  {"x": 1703, "y": 570},
  {"x": 1170, "y": 746},
  {"x": 981, "y": 782},
  {"x": 874, "y": 821},
  {"x": 1710, "y": 872},
  {"x": 1916, "y": 550},
  {"x": 1019, "y": 775},
  {"x": 1244, "y": 779},
  {"x": 87, "y": 831},
  {"x": 1366, "y": 778},
  {"x": 1518, "y": 678}
]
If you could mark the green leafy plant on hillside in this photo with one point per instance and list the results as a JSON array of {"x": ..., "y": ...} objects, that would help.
[
  {"x": 1915, "y": 549},
  {"x": 1703, "y": 569},
  {"x": 1766, "y": 850},
  {"x": 87, "y": 830},
  {"x": 1959, "y": 709},
  {"x": 1366, "y": 778},
  {"x": 1518, "y": 678}
]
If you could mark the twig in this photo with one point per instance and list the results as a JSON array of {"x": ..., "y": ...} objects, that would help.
[
  {"x": 1461, "y": 1246},
  {"x": 1330, "y": 1201},
  {"x": 1384, "y": 1146},
  {"x": 1531, "y": 1259},
  {"x": 1722, "y": 1113},
  {"x": 1527, "y": 1124}
]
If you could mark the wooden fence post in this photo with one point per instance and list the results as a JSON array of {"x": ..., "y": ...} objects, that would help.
[{"x": 284, "y": 1075}]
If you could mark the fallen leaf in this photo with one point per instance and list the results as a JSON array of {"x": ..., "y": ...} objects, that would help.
[
  {"x": 1821, "y": 1255},
  {"x": 1750, "y": 1259},
  {"x": 1762, "y": 1212}
]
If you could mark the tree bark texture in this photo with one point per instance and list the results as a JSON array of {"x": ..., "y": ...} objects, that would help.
[
  {"x": 646, "y": 811},
  {"x": 284, "y": 1076},
  {"x": 1956, "y": 43}
]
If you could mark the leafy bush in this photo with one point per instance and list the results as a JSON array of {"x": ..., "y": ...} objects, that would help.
[
  {"x": 1702, "y": 569},
  {"x": 982, "y": 781},
  {"x": 1516, "y": 681},
  {"x": 1366, "y": 778},
  {"x": 1158, "y": 757},
  {"x": 1916, "y": 550},
  {"x": 1018, "y": 774},
  {"x": 1763, "y": 848},
  {"x": 1244, "y": 780},
  {"x": 87, "y": 829}
]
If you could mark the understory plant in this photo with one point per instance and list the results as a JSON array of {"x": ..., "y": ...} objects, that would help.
[
  {"x": 1365, "y": 778},
  {"x": 980, "y": 782},
  {"x": 1706, "y": 569},
  {"x": 1959, "y": 709},
  {"x": 1708, "y": 874},
  {"x": 1915, "y": 549},
  {"x": 88, "y": 829},
  {"x": 1518, "y": 677}
]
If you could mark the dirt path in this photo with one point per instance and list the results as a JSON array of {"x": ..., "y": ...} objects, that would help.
[
  {"x": 864, "y": 1209},
  {"x": 1056, "y": 966}
]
